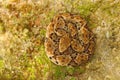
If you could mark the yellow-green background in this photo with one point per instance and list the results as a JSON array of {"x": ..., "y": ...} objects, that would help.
[{"x": 22, "y": 32}]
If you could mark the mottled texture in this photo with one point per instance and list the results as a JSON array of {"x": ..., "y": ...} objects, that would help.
[{"x": 68, "y": 40}]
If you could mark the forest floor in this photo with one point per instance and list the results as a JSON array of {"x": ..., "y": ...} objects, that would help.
[{"x": 22, "y": 33}]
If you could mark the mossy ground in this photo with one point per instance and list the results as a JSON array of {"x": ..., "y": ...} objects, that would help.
[{"x": 22, "y": 33}]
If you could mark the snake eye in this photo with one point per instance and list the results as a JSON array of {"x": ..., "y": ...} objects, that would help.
[{"x": 50, "y": 57}]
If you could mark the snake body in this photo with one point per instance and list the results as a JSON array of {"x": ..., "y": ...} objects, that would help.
[{"x": 68, "y": 40}]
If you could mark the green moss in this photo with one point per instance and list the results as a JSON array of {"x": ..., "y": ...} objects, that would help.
[
  {"x": 42, "y": 32},
  {"x": 73, "y": 78},
  {"x": 19, "y": 19},
  {"x": 87, "y": 8},
  {"x": 70, "y": 70},
  {"x": 31, "y": 71},
  {"x": 51, "y": 14},
  {"x": 1, "y": 64},
  {"x": 80, "y": 70},
  {"x": 2, "y": 29},
  {"x": 59, "y": 72}
]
